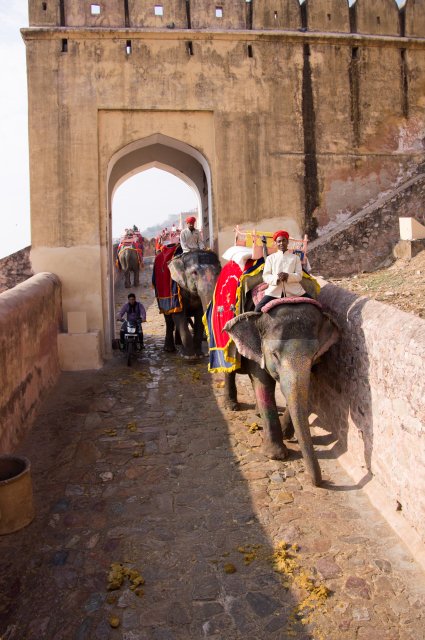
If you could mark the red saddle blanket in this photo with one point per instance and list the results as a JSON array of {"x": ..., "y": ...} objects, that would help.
[{"x": 167, "y": 292}]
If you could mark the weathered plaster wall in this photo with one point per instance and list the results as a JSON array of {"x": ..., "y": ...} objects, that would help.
[
  {"x": 15, "y": 268},
  {"x": 370, "y": 390},
  {"x": 29, "y": 321},
  {"x": 299, "y": 120},
  {"x": 363, "y": 242}
]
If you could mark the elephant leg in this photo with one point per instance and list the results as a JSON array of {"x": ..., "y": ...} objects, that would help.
[
  {"x": 127, "y": 281},
  {"x": 287, "y": 426},
  {"x": 169, "y": 334},
  {"x": 185, "y": 334},
  {"x": 177, "y": 338},
  {"x": 264, "y": 388},
  {"x": 231, "y": 392},
  {"x": 136, "y": 276},
  {"x": 198, "y": 332}
]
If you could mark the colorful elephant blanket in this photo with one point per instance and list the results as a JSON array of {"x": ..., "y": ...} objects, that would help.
[
  {"x": 296, "y": 300},
  {"x": 130, "y": 244},
  {"x": 167, "y": 292},
  {"x": 225, "y": 305}
]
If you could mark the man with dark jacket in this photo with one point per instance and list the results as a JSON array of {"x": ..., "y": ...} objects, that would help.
[{"x": 136, "y": 313}]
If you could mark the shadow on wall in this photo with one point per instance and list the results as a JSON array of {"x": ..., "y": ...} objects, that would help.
[{"x": 341, "y": 395}]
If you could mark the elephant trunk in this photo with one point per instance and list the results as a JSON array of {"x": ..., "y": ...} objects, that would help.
[{"x": 294, "y": 383}]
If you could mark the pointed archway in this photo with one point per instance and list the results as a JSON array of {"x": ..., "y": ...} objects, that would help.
[{"x": 168, "y": 154}]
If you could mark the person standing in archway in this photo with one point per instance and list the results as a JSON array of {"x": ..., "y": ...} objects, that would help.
[{"x": 190, "y": 238}]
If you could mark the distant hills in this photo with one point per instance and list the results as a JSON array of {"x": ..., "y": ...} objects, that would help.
[{"x": 154, "y": 231}]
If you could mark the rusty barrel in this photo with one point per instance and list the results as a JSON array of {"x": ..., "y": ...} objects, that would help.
[{"x": 16, "y": 503}]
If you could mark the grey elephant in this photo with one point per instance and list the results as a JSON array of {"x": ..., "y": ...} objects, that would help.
[
  {"x": 281, "y": 346},
  {"x": 129, "y": 262},
  {"x": 196, "y": 273}
]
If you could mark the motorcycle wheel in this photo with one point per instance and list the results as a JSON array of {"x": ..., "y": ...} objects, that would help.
[{"x": 130, "y": 351}]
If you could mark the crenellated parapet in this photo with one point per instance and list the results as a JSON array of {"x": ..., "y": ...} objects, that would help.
[
  {"x": 371, "y": 17},
  {"x": 328, "y": 15},
  {"x": 276, "y": 14},
  {"x": 415, "y": 18},
  {"x": 377, "y": 17}
]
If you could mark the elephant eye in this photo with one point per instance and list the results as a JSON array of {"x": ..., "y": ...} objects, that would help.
[{"x": 195, "y": 273}]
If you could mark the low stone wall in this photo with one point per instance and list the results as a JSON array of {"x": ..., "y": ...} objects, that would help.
[
  {"x": 370, "y": 390},
  {"x": 364, "y": 241},
  {"x": 29, "y": 365},
  {"x": 15, "y": 269}
]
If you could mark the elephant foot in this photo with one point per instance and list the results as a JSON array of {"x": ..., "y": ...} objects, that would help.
[
  {"x": 288, "y": 427},
  {"x": 275, "y": 451},
  {"x": 190, "y": 358},
  {"x": 169, "y": 349},
  {"x": 289, "y": 433},
  {"x": 232, "y": 405}
]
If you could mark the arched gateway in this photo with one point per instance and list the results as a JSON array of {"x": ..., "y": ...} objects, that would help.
[
  {"x": 174, "y": 156},
  {"x": 281, "y": 114}
]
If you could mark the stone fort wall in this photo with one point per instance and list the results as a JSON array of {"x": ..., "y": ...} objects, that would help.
[
  {"x": 304, "y": 115},
  {"x": 317, "y": 107},
  {"x": 29, "y": 364},
  {"x": 370, "y": 389}
]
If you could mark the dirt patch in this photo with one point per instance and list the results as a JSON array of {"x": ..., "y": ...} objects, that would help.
[{"x": 401, "y": 285}]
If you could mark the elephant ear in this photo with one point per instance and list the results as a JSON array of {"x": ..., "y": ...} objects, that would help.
[
  {"x": 245, "y": 333},
  {"x": 329, "y": 334},
  {"x": 178, "y": 272}
]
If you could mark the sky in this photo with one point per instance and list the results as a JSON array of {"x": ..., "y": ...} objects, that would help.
[{"x": 148, "y": 197}]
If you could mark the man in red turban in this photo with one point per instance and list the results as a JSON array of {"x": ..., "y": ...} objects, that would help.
[
  {"x": 190, "y": 238},
  {"x": 282, "y": 233},
  {"x": 282, "y": 272}
]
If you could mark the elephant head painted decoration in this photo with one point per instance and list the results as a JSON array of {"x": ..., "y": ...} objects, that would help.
[{"x": 196, "y": 274}]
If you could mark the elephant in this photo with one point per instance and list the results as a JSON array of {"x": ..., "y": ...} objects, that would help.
[
  {"x": 129, "y": 261},
  {"x": 281, "y": 345},
  {"x": 196, "y": 273}
]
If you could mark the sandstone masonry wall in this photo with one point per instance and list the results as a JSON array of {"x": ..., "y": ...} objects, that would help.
[
  {"x": 29, "y": 365},
  {"x": 370, "y": 390},
  {"x": 15, "y": 268},
  {"x": 297, "y": 116},
  {"x": 364, "y": 241}
]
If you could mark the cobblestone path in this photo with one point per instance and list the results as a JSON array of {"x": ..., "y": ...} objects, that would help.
[{"x": 142, "y": 468}]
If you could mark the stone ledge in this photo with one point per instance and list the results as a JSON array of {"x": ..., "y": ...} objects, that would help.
[{"x": 408, "y": 249}]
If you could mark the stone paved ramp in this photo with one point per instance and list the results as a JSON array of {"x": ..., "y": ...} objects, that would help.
[{"x": 142, "y": 466}]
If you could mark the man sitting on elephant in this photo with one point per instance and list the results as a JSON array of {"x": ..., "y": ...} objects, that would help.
[
  {"x": 190, "y": 238},
  {"x": 282, "y": 272},
  {"x": 135, "y": 312}
]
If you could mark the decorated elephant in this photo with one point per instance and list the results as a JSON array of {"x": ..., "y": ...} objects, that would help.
[
  {"x": 281, "y": 345},
  {"x": 195, "y": 273},
  {"x": 129, "y": 261}
]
